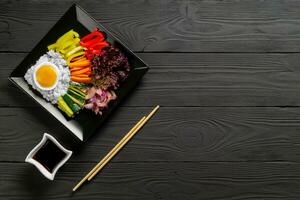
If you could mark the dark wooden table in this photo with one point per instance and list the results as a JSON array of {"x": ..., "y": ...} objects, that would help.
[{"x": 227, "y": 75}]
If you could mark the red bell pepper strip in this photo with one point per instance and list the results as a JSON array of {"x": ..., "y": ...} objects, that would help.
[
  {"x": 95, "y": 49},
  {"x": 91, "y": 42},
  {"x": 94, "y": 37},
  {"x": 99, "y": 45}
]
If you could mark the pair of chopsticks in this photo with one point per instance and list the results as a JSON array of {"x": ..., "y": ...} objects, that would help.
[{"x": 116, "y": 149}]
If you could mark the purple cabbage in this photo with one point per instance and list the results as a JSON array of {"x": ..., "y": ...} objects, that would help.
[{"x": 109, "y": 68}]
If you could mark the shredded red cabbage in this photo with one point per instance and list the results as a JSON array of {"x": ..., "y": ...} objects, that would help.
[{"x": 109, "y": 68}]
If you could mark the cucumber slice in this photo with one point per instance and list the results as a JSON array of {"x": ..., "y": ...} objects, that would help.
[
  {"x": 63, "y": 105},
  {"x": 80, "y": 103},
  {"x": 75, "y": 108},
  {"x": 75, "y": 95}
]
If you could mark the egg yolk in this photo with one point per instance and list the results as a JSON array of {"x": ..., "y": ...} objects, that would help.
[{"x": 46, "y": 76}]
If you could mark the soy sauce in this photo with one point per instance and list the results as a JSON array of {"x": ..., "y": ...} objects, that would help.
[{"x": 49, "y": 155}]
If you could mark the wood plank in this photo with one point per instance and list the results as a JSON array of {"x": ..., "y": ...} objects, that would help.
[
  {"x": 196, "y": 79},
  {"x": 174, "y": 134},
  {"x": 181, "y": 26},
  {"x": 156, "y": 181}
]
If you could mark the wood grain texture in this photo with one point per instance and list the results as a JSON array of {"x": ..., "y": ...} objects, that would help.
[
  {"x": 174, "y": 134},
  {"x": 177, "y": 26},
  {"x": 226, "y": 74},
  {"x": 169, "y": 181},
  {"x": 197, "y": 79}
]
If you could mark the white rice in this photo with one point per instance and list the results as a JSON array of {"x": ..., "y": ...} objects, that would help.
[{"x": 63, "y": 78}]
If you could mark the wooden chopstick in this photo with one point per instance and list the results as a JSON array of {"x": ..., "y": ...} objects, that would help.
[
  {"x": 140, "y": 125},
  {"x": 90, "y": 173},
  {"x": 116, "y": 149}
]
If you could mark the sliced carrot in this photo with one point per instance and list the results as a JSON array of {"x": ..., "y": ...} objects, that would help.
[
  {"x": 82, "y": 76},
  {"x": 83, "y": 58},
  {"x": 87, "y": 69},
  {"x": 80, "y": 79},
  {"x": 88, "y": 73},
  {"x": 80, "y": 64},
  {"x": 79, "y": 58},
  {"x": 78, "y": 68}
]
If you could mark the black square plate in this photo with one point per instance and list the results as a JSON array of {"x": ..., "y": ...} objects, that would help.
[{"x": 86, "y": 122}]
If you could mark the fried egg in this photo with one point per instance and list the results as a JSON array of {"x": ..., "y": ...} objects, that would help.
[
  {"x": 46, "y": 76},
  {"x": 50, "y": 76}
]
